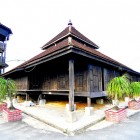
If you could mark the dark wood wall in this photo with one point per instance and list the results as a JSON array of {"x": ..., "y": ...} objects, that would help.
[
  {"x": 100, "y": 76},
  {"x": 80, "y": 77},
  {"x": 49, "y": 78},
  {"x": 91, "y": 79},
  {"x": 134, "y": 78},
  {"x": 95, "y": 78},
  {"x": 57, "y": 78},
  {"x": 22, "y": 83},
  {"x": 109, "y": 74}
]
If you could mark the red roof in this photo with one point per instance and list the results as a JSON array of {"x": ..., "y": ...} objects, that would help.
[
  {"x": 95, "y": 52},
  {"x": 50, "y": 50},
  {"x": 70, "y": 31},
  {"x": 63, "y": 45}
]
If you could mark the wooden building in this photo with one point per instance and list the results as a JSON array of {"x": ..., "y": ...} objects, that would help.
[
  {"x": 69, "y": 65},
  {"x": 4, "y": 37}
]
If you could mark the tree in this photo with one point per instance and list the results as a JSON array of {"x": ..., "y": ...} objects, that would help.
[
  {"x": 118, "y": 87},
  {"x": 7, "y": 89},
  {"x": 134, "y": 89}
]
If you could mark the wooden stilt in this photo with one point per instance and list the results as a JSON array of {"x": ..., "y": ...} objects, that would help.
[{"x": 71, "y": 85}]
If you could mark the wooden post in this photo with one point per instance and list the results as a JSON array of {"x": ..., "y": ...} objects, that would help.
[
  {"x": 88, "y": 102},
  {"x": 89, "y": 84},
  {"x": 71, "y": 85}
]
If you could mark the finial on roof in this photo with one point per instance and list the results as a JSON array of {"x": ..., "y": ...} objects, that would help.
[{"x": 70, "y": 23}]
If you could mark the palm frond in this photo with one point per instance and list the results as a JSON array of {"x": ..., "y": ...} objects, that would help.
[
  {"x": 118, "y": 87},
  {"x": 7, "y": 88},
  {"x": 135, "y": 89}
]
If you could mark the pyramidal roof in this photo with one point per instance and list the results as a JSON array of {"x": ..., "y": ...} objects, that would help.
[
  {"x": 69, "y": 39},
  {"x": 70, "y": 31}
]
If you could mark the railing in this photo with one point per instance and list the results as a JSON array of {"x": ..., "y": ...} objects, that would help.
[
  {"x": 1, "y": 46},
  {"x": 2, "y": 61}
]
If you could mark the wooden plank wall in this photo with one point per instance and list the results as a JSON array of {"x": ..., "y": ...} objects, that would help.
[
  {"x": 56, "y": 81},
  {"x": 95, "y": 78},
  {"x": 134, "y": 78},
  {"x": 99, "y": 77},
  {"x": 57, "y": 78},
  {"x": 81, "y": 80},
  {"x": 108, "y": 74},
  {"x": 43, "y": 78},
  {"x": 22, "y": 83}
]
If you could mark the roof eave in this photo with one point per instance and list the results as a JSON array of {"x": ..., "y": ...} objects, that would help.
[
  {"x": 67, "y": 50},
  {"x": 51, "y": 56},
  {"x": 103, "y": 60}
]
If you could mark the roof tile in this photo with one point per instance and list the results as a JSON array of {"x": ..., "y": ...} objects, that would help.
[
  {"x": 50, "y": 50},
  {"x": 67, "y": 32},
  {"x": 55, "y": 45}
]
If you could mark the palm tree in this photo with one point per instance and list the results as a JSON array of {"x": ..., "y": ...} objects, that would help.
[
  {"x": 2, "y": 89},
  {"x": 7, "y": 88},
  {"x": 118, "y": 87},
  {"x": 134, "y": 89}
]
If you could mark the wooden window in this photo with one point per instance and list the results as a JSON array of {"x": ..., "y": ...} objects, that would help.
[
  {"x": 22, "y": 83},
  {"x": 61, "y": 82},
  {"x": 109, "y": 75},
  {"x": 97, "y": 79},
  {"x": 46, "y": 82},
  {"x": 79, "y": 81}
]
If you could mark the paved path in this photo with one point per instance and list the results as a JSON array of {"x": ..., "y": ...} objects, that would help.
[
  {"x": 22, "y": 131},
  {"x": 27, "y": 129},
  {"x": 127, "y": 130},
  {"x": 57, "y": 117}
]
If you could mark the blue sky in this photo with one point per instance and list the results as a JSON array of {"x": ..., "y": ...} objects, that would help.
[{"x": 114, "y": 25}]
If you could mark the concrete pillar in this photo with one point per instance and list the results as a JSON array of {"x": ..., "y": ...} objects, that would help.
[
  {"x": 88, "y": 109},
  {"x": 88, "y": 102},
  {"x": 27, "y": 96}
]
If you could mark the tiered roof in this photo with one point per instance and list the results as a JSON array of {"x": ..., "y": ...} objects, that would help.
[
  {"x": 69, "y": 39},
  {"x": 70, "y": 31}
]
